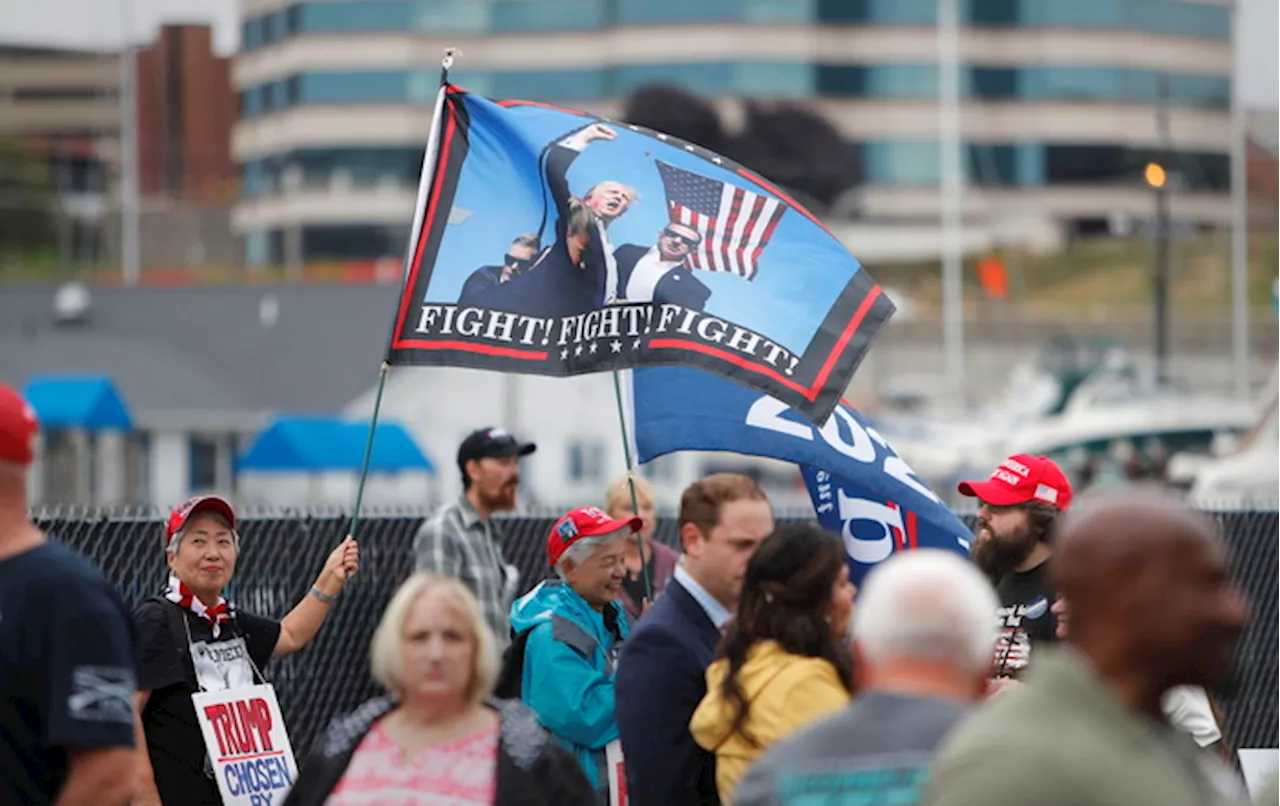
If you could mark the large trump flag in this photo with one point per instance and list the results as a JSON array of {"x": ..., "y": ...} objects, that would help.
[{"x": 551, "y": 242}]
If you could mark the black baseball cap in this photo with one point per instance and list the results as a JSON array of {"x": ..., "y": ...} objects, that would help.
[{"x": 491, "y": 443}]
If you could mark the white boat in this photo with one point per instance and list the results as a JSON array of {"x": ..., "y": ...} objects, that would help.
[
  {"x": 1120, "y": 409},
  {"x": 1249, "y": 478}
]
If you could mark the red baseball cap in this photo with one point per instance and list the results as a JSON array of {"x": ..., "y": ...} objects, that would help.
[
  {"x": 584, "y": 522},
  {"x": 1022, "y": 478},
  {"x": 200, "y": 503},
  {"x": 18, "y": 427}
]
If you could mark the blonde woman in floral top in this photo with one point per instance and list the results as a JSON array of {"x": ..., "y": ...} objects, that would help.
[{"x": 439, "y": 739}]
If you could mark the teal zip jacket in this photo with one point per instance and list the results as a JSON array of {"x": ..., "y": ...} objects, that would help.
[{"x": 568, "y": 669}]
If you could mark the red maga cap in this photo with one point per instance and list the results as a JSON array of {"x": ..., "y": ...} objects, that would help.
[
  {"x": 18, "y": 427},
  {"x": 584, "y": 522},
  {"x": 1019, "y": 479},
  {"x": 200, "y": 503}
]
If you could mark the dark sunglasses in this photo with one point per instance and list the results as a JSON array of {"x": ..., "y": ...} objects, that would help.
[
  {"x": 520, "y": 263},
  {"x": 684, "y": 239}
]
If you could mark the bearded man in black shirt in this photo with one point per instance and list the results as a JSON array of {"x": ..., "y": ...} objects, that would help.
[{"x": 1018, "y": 509}]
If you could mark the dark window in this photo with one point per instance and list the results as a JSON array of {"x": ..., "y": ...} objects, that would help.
[
  {"x": 994, "y": 83},
  {"x": 586, "y": 461},
  {"x": 61, "y": 463},
  {"x": 842, "y": 79},
  {"x": 1083, "y": 163},
  {"x": 137, "y": 468},
  {"x": 993, "y": 164},
  {"x": 59, "y": 93},
  {"x": 353, "y": 242},
  {"x": 202, "y": 462},
  {"x": 995, "y": 12},
  {"x": 251, "y": 34}
]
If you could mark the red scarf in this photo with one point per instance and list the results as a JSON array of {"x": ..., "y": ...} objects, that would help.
[{"x": 177, "y": 592}]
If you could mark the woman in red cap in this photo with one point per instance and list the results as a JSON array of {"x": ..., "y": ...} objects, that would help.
[
  {"x": 570, "y": 631},
  {"x": 191, "y": 639}
]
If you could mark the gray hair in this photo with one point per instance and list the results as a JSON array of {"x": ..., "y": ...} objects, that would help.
[
  {"x": 172, "y": 547},
  {"x": 927, "y": 604},
  {"x": 582, "y": 548}
]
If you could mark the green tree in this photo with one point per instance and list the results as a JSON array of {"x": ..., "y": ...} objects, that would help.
[{"x": 28, "y": 201}]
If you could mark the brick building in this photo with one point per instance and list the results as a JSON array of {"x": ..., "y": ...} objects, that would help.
[
  {"x": 62, "y": 106},
  {"x": 185, "y": 113}
]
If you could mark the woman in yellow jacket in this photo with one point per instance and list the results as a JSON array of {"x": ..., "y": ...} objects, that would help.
[{"x": 784, "y": 661}]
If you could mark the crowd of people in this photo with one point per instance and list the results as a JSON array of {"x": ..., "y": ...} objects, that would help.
[{"x": 741, "y": 667}]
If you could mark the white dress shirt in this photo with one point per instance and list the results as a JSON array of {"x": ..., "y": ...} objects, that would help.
[
  {"x": 646, "y": 274},
  {"x": 718, "y": 613}
]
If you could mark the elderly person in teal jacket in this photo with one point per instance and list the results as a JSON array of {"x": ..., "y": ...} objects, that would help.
[{"x": 572, "y": 630}]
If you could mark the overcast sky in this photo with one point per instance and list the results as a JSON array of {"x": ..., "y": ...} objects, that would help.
[{"x": 100, "y": 23}]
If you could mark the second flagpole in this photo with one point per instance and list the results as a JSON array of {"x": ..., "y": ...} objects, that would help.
[{"x": 631, "y": 482}]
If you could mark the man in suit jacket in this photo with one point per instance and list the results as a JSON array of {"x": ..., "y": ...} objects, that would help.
[
  {"x": 519, "y": 257},
  {"x": 661, "y": 671},
  {"x": 657, "y": 273}
]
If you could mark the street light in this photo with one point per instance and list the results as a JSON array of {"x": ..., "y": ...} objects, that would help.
[
  {"x": 1157, "y": 179},
  {"x": 1155, "y": 175}
]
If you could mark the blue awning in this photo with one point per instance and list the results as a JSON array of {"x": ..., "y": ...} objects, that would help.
[
  {"x": 78, "y": 401},
  {"x": 320, "y": 444}
]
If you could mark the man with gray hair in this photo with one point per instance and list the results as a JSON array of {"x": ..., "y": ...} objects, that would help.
[
  {"x": 922, "y": 643},
  {"x": 569, "y": 632}
]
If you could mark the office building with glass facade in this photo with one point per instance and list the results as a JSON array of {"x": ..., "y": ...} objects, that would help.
[{"x": 1058, "y": 113}]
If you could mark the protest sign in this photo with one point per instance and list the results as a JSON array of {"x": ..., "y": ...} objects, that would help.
[
  {"x": 245, "y": 736},
  {"x": 617, "y": 774}
]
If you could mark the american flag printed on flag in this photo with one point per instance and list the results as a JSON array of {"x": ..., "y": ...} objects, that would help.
[{"x": 735, "y": 224}]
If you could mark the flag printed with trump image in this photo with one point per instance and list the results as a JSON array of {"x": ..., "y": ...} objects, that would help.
[{"x": 548, "y": 241}]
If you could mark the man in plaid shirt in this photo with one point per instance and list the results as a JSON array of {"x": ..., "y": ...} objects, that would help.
[{"x": 461, "y": 541}]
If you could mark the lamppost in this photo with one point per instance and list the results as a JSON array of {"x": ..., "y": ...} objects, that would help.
[
  {"x": 1158, "y": 181},
  {"x": 130, "y": 261},
  {"x": 1156, "y": 175},
  {"x": 951, "y": 196}
]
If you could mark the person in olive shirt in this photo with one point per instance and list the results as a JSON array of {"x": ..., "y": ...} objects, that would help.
[
  {"x": 1152, "y": 607},
  {"x": 1019, "y": 507}
]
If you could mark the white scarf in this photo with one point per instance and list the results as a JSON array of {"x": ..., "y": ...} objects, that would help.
[{"x": 215, "y": 616}]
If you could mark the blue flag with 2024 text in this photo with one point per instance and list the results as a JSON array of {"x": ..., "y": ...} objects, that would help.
[
  {"x": 861, "y": 489},
  {"x": 548, "y": 241}
]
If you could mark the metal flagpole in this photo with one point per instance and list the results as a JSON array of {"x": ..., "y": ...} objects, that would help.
[
  {"x": 130, "y": 259},
  {"x": 424, "y": 185},
  {"x": 631, "y": 482},
  {"x": 951, "y": 183},
  {"x": 368, "y": 447},
  {"x": 1239, "y": 222}
]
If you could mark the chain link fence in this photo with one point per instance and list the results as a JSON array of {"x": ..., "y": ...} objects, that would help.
[{"x": 282, "y": 552}]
